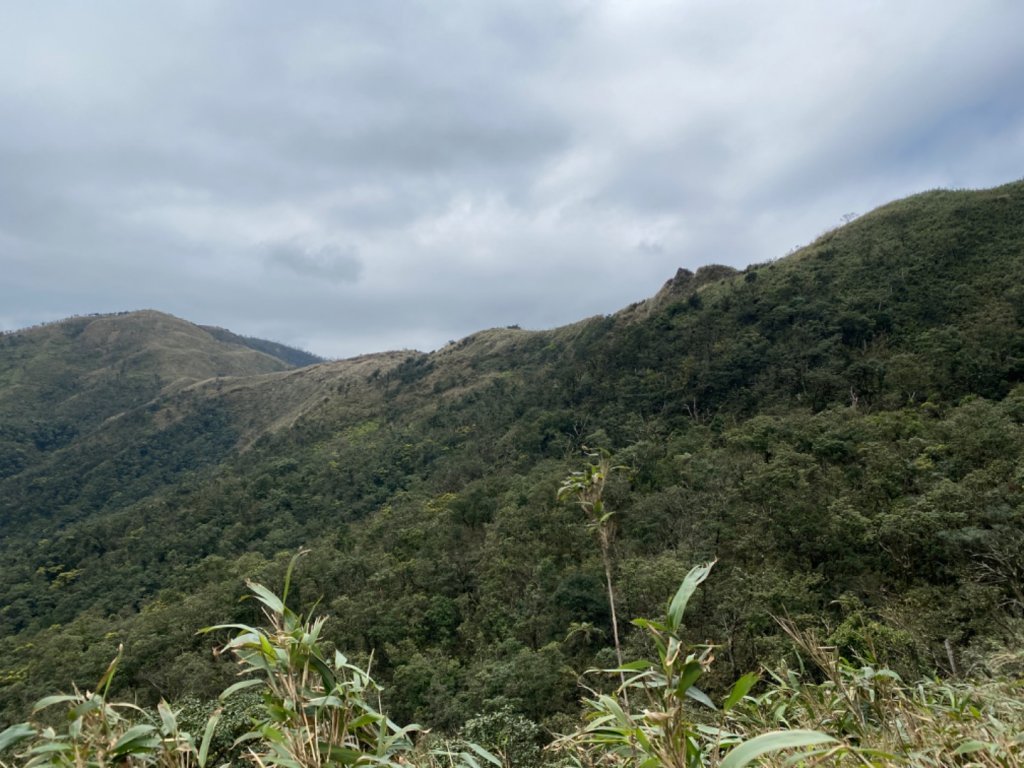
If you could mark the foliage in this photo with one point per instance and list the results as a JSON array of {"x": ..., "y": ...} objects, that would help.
[
  {"x": 928, "y": 723},
  {"x": 314, "y": 713},
  {"x": 666, "y": 733},
  {"x": 508, "y": 735},
  {"x": 97, "y": 732},
  {"x": 842, "y": 429},
  {"x": 859, "y": 714}
]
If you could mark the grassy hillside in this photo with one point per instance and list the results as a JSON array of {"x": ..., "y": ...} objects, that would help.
[{"x": 843, "y": 429}]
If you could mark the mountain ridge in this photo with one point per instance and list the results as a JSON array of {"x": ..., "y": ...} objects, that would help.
[{"x": 842, "y": 428}]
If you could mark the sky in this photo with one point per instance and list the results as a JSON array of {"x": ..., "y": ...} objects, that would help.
[{"x": 351, "y": 177}]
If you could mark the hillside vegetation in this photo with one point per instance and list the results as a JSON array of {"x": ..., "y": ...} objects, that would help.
[{"x": 843, "y": 429}]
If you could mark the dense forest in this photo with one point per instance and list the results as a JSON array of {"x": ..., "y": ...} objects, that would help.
[{"x": 842, "y": 430}]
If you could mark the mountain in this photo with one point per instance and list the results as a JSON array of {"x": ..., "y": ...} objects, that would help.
[
  {"x": 290, "y": 355},
  {"x": 86, "y": 369},
  {"x": 72, "y": 393},
  {"x": 843, "y": 429}
]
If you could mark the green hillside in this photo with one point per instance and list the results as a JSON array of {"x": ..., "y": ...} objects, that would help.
[
  {"x": 843, "y": 429},
  {"x": 290, "y": 355},
  {"x": 74, "y": 395}
]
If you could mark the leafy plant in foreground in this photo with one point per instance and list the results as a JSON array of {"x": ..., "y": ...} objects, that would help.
[
  {"x": 931, "y": 723},
  {"x": 317, "y": 711},
  {"x": 98, "y": 733},
  {"x": 314, "y": 713},
  {"x": 667, "y": 733}
]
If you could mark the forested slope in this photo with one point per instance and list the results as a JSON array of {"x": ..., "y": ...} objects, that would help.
[{"x": 842, "y": 429}]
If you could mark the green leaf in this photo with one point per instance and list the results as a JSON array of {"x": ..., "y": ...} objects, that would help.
[
  {"x": 326, "y": 675},
  {"x": 245, "y": 628},
  {"x": 633, "y": 666},
  {"x": 483, "y": 753},
  {"x": 344, "y": 755},
  {"x": 267, "y": 648},
  {"x": 690, "y": 674},
  {"x": 138, "y": 738},
  {"x": 608, "y": 704},
  {"x": 241, "y": 685},
  {"x": 288, "y": 576},
  {"x": 740, "y": 689},
  {"x": 323, "y": 702},
  {"x": 49, "y": 701},
  {"x": 268, "y": 732},
  {"x": 204, "y": 748},
  {"x": 699, "y": 696},
  {"x": 103, "y": 686},
  {"x": 685, "y": 592},
  {"x": 366, "y": 719},
  {"x": 649, "y": 624},
  {"x": 885, "y": 757},
  {"x": 265, "y": 596},
  {"x": 50, "y": 746},
  {"x": 85, "y": 706},
  {"x": 749, "y": 751},
  {"x": 14, "y": 734},
  {"x": 167, "y": 718},
  {"x": 971, "y": 745}
]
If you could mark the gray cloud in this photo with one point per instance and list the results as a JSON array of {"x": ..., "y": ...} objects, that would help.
[
  {"x": 352, "y": 176},
  {"x": 333, "y": 263}
]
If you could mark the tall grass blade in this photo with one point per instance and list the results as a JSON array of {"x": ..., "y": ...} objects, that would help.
[
  {"x": 774, "y": 741},
  {"x": 288, "y": 575},
  {"x": 740, "y": 689},
  {"x": 103, "y": 686},
  {"x": 492, "y": 759},
  {"x": 204, "y": 747},
  {"x": 678, "y": 605},
  {"x": 49, "y": 701},
  {"x": 239, "y": 686}
]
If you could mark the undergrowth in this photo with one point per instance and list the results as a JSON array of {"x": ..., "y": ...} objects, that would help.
[{"x": 308, "y": 708}]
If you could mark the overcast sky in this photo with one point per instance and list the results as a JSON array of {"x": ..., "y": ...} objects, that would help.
[{"x": 355, "y": 176}]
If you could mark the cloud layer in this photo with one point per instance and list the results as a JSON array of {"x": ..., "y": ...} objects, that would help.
[{"x": 351, "y": 177}]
